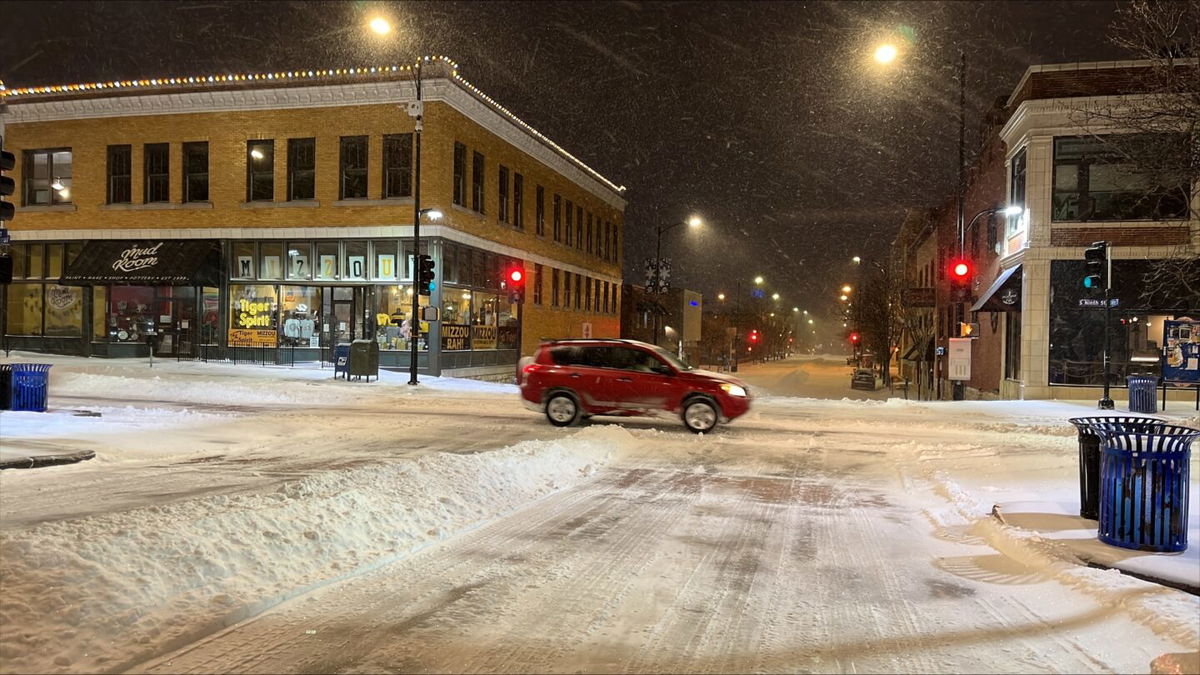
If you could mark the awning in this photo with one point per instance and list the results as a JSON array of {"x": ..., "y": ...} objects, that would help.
[
  {"x": 154, "y": 262},
  {"x": 1004, "y": 295},
  {"x": 921, "y": 350}
]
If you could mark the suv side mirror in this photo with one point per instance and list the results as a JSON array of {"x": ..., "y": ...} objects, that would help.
[{"x": 663, "y": 369}]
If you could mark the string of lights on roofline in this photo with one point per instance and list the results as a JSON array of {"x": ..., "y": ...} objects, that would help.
[{"x": 284, "y": 76}]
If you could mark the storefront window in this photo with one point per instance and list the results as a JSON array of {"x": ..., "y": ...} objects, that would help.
[
  {"x": 484, "y": 321},
  {"x": 99, "y": 318},
  {"x": 356, "y": 260},
  {"x": 1099, "y": 179},
  {"x": 24, "y": 309},
  {"x": 210, "y": 306},
  {"x": 242, "y": 264},
  {"x": 54, "y": 261},
  {"x": 270, "y": 260},
  {"x": 64, "y": 310},
  {"x": 327, "y": 260},
  {"x": 393, "y": 305},
  {"x": 299, "y": 260},
  {"x": 36, "y": 260},
  {"x": 130, "y": 313},
  {"x": 456, "y": 319},
  {"x": 506, "y": 328},
  {"x": 300, "y": 309},
  {"x": 450, "y": 264},
  {"x": 253, "y": 315},
  {"x": 385, "y": 262}
]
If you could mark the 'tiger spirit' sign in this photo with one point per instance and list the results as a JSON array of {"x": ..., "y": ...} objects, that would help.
[{"x": 134, "y": 258}]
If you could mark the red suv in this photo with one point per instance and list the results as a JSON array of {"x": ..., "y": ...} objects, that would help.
[{"x": 570, "y": 379}]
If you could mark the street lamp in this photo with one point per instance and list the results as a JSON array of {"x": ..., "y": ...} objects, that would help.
[
  {"x": 885, "y": 53},
  {"x": 846, "y": 288},
  {"x": 692, "y": 222},
  {"x": 1012, "y": 210},
  {"x": 774, "y": 296},
  {"x": 758, "y": 280},
  {"x": 380, "y": 25},
  {"x": 721, "y": 297}
]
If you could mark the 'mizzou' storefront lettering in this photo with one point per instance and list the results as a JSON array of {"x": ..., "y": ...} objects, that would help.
[
  {"x": 253, "y": 314},
  {"x": 134, "y": 258}
]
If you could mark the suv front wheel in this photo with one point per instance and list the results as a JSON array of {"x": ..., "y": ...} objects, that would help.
[
  {"x": 562, "y": 410},
  {"x": 700, "y": 415}
]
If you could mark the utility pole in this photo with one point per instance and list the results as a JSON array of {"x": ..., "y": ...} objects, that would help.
[
  {"x": 957, "y": 391},
  {"x": 414, "y": 332}
]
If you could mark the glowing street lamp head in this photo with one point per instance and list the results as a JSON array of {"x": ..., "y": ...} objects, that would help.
[
  {"x": 432, "y": 214},
  {"x": 695, "y": 221},
  {"x": 758, "y": 280},
  {"x": 380, "y": 26},
  {"x": 774, "y": 296},
  {"x": 885, "y": 53},
  {"x": 1014, "y": 210},
  {"x": 721, "y": 296},
  {"x": 846, "y": 288},
  {"x": 856, "y": 259}
]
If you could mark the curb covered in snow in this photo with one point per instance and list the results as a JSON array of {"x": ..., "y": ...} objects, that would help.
[{"x": 35, "y": 461}]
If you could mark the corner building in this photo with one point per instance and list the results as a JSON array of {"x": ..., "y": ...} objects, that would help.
[{"x": 198, "y": 216}]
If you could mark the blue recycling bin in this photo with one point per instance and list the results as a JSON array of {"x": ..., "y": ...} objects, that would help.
[
  {"x": 341, "y": 361},
  {"x": 30, "y": 386},
  {"x": 1089, "y": 453},
  {"x": 1143, "y": 393},
  {"x": 1144, "y": 487}
]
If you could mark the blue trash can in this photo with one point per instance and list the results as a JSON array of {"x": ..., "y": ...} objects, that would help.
[
  {"x": 1089, "y": 454},
  {"x": 341, "y": 361},
  {"x": 1143, "y": 393},
  {"x": 30, "y": 384},
  {"x": 1144, "y": 487}
]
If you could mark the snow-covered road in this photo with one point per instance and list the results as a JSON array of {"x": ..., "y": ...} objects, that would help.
[{"x": 264, "y": 520}]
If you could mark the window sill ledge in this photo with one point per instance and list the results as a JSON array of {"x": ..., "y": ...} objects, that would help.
[
  {"x": 157, "y": 206},
  {"x": 468, "y": 211},
  {"x": 395, "y": 201},
  {"x": 57, "y": 208},
  {"x": 299, "y": 204}
]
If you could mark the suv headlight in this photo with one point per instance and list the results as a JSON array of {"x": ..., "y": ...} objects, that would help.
[{"x": 733, "y": 390}]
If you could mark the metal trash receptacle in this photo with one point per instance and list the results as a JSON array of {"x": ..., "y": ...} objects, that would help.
[
  {"x": 341, "y": 360},
  {"x": 1144, "y": 487},
  {"x": 1143, "y": 393},
  {"x": 1089, "y": 454},
  {"x": 30, "y": 386},
  {"x": 5, "y": 386},
  {"x": 364, "y": 359}
]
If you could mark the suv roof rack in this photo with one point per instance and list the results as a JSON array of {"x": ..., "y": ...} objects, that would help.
[{"x": 553, "y": 341}]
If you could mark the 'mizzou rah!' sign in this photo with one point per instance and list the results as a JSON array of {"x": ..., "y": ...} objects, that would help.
[{"x": 134, "y": 258}]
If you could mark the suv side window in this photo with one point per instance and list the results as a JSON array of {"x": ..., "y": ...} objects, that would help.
[
  {"x": 596, "y": 357},
  {"x": 564, "y": 356},
  {"x": 628, "y": 358}
]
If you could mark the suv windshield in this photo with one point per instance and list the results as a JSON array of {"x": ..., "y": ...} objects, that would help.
[{"x": 680, "y": 364}]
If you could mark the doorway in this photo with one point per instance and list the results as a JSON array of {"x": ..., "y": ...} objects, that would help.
[
  {"x": 344, "y": 309},
  {"x": 175, "y": 321}
]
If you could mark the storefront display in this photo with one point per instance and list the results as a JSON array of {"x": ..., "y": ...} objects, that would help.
[
  {"x": 300, "y": 309},
  {"x": 253, "y": 315},
  {"x": 64, "y": 311},
  {"x": 130, "y": 313}
]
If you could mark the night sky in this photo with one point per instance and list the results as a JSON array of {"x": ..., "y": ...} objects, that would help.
[{"x": 769, "y": 119}]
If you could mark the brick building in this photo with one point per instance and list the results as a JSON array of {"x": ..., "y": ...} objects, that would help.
[{"x": 278, "y": 211}]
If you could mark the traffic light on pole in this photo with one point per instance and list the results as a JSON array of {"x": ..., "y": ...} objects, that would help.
[
  {"x": 1096, "y": 258},
  {"x": 754, "y": 335},
  {"x": 7, "y": 211},
  {"x": 854, "y": 338},
  {"x": 962, "y": 272},
  {"x": 425, "y": 276},
  {"x": 514, "y": 281}
]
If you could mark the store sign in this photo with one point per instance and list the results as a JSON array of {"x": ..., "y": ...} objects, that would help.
[
  {"x": 135, "y": 258},
  {"x": 1010, "y": 296},
  {"x": 61, "y": 298},
  {"x": 240, "y": 337},
  {"x": 253, "y": 313},
  {"x": 245, "y": 266},
  {"x": 356, "y": 266},
  {"x": 455, "y": 336},
  {"x": 385, "y": 266},
  {"x": 483, "y": 337},
  {"x": 328, "y": 266}
]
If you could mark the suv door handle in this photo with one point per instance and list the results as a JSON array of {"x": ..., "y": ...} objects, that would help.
[
  {"x": 574, "y": 376},
  {"x": 624, "y": 379}
]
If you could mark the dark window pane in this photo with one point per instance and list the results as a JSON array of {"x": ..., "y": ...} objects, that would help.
[
  {"x": 518, "y": 201},
  {"x": 477, "y": 169},
  {"x": 460, "y": 174},
  {"x": 302, "y": 164},
  {"x": 397, "y": 165},
  {"x": 195, "y": 172},
  {"x": 354, "y": 167},
  {"x": 120, "y": 167},
  {"x": 260, "y": 168}
]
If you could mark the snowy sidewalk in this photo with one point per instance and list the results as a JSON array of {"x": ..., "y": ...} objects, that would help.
[{"x": 1058, "y": 523}]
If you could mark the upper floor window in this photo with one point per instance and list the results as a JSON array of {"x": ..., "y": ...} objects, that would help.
[
  {"x": 397, "y": 165},
  {"x": 570, "y": 221},
  {"x": 537, "y": 284},
  {"x": 460, "y": 174},
  {"x": 539, "y": 211},
  {"x": 260, "y": 170},
  {"x": 47, "y": 177},
  {"x": 302, "y": 169},
  {"x": 579, "y": 227},
  {"x": 557, "y": 218},
  {"x": 1094, "y": 180},
  {"x": 502, "y": 209},
  {"x": 477, "y": 174},
  {"x": 518, "y": 201},
  {"x": 555, "y": 285},
  {"x": 590, "y": 240},
  {"x": 120, "y": 174},
  {"x": 353, "y": 169},
  {"x": 156, "y": 157},
  {"x": 195, "y": 171}
]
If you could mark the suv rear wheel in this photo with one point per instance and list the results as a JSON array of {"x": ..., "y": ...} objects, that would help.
[
  {"x": 562, "y": 410},
  {"x": 700, "y": 415}
]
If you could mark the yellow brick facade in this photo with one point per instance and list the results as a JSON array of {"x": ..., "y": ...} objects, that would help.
[{"x": 227, "y": 215}]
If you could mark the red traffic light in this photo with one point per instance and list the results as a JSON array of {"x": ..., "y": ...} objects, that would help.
[
  {"x": 854, "y": 337},
  {"x": 515, "y": 276},
  {"x": 754, "y": 336},
  {"x": 960, "y": 270}
]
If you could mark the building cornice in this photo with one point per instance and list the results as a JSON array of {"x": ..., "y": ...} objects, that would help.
[{"x": 1090, "y": 65}]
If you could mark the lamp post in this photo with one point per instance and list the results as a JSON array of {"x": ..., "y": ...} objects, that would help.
[{"x": 693, "y": 223}]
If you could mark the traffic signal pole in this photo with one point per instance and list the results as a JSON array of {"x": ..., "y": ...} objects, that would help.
[
  {"x": 414, "y": 327},
  {"x": 1106, "y": 403}
]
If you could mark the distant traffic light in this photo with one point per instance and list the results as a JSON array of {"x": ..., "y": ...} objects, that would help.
[
  {"x": 962, "y": 273},
  {"x": 754, "y": 335},
  {"x": 1096, "y": 257},
  {"x": 514, "y": 281},
  {"x": 7, "y": 185},
  {"x": 425, "y": 275},
  {"x": 854, "y": 338}
]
